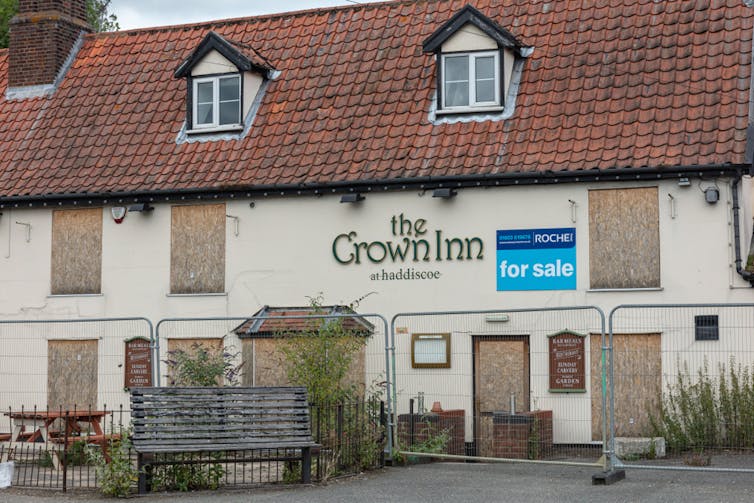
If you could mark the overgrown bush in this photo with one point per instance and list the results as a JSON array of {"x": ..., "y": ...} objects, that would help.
[
  {"x": 118, "y": 476},
  {"x": 344, "y": 415},
  {"x": 703, "y": 412},
  {"x": 203, "y": 367},
  {"x": 320, "y": 357},
  {"x": 188, "y": 477}
]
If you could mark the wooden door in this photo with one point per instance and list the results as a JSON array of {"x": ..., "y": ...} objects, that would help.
[
  {"x": 501, "y": 369},
  {"x": 72, "y": 374}
]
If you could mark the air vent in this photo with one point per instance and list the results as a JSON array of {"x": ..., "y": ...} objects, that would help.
[{"x": 706, "y": 328}]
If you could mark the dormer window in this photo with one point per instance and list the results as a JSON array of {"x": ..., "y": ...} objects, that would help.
[
  {"x": 225, "y": 82},
  {"x": 478, "y": 66},
  {"x": 217, "y": 101},
  {"x": 470, "y": 80}
]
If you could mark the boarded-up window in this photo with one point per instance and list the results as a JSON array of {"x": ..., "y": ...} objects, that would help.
[
  {"x": 624, "y": 238},
  {"x": 76, "y": 251},
  {"x": 197, "y": 254},
  {"x": 72, "y": 374}
]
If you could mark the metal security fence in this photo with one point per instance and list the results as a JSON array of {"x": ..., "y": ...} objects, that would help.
[
  {"x": 54, "y": 364},
  {"x": 513, "y": 384},
  {"x": 682, "y": 386}
]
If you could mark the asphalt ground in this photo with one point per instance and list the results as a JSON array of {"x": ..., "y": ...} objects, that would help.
[{"x": 461, "y": 482}]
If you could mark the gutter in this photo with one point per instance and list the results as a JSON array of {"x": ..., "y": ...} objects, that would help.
[
  {"x": 371, "y": 186},
  {"x": 747, "y": 273}
]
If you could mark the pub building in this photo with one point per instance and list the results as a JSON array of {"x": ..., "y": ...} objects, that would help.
[{"x": 420, "y": 156}]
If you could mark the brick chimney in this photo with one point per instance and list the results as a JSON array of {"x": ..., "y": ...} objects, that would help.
[{"x": 42, "y": 35}]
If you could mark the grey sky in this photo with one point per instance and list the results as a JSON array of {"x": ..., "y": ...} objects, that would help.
[{"x": 144, "y": 13}]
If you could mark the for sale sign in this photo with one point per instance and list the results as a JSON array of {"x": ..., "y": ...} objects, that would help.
[{"x": 536, "y": 259}]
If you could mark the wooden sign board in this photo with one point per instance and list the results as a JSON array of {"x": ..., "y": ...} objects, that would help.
[
  {"x": 567, "y": 356},
  {"x": 138, "y": 364}
]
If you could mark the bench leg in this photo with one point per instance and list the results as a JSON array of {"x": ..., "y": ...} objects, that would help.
[
  {"x": 145, "y": 474},
  {"x": 306, "y": 465}
]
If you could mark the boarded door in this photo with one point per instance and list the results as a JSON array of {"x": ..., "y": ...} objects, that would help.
[
  {"x": 72, "y": 374},
  {"x": 638, "y": 383},
  {"x": 501, "y": 369}
]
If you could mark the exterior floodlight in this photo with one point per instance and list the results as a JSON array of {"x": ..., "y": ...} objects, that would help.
[
  {"x": 351, "y": 198},
  {"x": 143, "y": 207},
  {"x": 684, "y": 182},
  {"x": 444, "y": 193}
]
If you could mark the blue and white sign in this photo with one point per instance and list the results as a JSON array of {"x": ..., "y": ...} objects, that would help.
[{"x": 536, "y": 259}]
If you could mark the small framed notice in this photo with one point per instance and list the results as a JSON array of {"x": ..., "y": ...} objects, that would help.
[
  {"x": 138, "y": 364},
  {"x": 430, "y": 351},
  {"x": 567, "y": 357}
]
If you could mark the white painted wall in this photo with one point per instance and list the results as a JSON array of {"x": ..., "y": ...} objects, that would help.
[{"x": 283, "y": 253}]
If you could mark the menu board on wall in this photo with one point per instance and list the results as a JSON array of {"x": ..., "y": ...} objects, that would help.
[
  {"x": 138, "y": 364},
  {"x": 567, "y": 357}
]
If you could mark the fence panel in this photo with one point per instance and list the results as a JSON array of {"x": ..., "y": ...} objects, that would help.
[
  {"x": 517, "y": 384},
  {"x": 65, "y": 363},
  {"x": 682, "y": 386}
]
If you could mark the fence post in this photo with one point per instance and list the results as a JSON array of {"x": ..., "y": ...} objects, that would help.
[
  {"x": 383, "y": 423},
  {"x": 64, "y": 457}
]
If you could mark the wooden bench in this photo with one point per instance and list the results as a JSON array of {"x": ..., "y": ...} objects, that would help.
[{"x": 218, "y": 420}]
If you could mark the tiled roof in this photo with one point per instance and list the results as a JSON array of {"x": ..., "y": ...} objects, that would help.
[
  {"x": 286, "y": 321},
  {"x": 610, "y": 84}
]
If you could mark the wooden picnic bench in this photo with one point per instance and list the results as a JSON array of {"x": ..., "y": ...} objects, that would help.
[{"x": 218, "y": 420}]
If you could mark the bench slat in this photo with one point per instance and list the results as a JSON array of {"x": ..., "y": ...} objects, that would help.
[{"x": 192, "y": 419}]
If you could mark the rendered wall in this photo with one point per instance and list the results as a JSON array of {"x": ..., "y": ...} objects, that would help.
[{"x": 284, "y": 252}]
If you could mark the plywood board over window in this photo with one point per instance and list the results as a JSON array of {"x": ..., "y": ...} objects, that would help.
[
  {"x": 72, "y": 374},
  {"x": 637, "y": 360},
  {"x": 624, "y": 238},
  {"x": 197, "y": 253},
  {"x": 76, "y": 251}
]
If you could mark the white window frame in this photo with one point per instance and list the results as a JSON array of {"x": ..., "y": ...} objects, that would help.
[
  {"x": 473, "y": 104},
  {"x": 215, "y": 102}
]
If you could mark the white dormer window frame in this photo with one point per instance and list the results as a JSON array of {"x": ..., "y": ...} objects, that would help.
[
  {"x": 198, "y": 108},
  {"x": 477, "y": 89}
]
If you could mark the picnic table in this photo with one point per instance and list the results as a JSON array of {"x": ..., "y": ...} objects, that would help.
[{"x": 32, "y": 430}]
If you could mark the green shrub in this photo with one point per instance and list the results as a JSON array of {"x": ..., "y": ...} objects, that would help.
[
  {"x": 188, "y": 477},
  {"x": 203, "y": 367},
  {"x": 118, "y": 476},
  {"x": 707, "y": 412}
]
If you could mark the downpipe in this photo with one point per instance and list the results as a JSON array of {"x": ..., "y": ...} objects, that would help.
[{"x": 742, "y": 271}]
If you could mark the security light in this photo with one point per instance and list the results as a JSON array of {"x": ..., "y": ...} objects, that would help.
[
  {"x": 444, "y": 193},
  {"x": 351, "y": 198},
  {"x": 143, "y": 207}
]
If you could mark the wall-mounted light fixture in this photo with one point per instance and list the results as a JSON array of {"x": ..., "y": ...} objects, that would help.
[
  {"x": 712, "y": 195},
  {"x": 141, "y": 207},
  {"x": 497, "y": 318},
  {"x": 351, "y": 198},
  {"x": 444, "y": 193},
  {"x": 684, "y": 182}
]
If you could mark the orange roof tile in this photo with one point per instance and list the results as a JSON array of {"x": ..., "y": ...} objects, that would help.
[{"x": 609, "y": 85}]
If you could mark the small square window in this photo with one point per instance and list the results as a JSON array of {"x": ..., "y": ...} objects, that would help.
[
  {"x": 470, "y": 80},
  {"x": 217, "y": 102},
  {"x": 430, "y": 351},
  {"x": 706, "y": 328}
]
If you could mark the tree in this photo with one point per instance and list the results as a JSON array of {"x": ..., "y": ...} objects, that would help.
[{"x": 96, "y": 12}]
